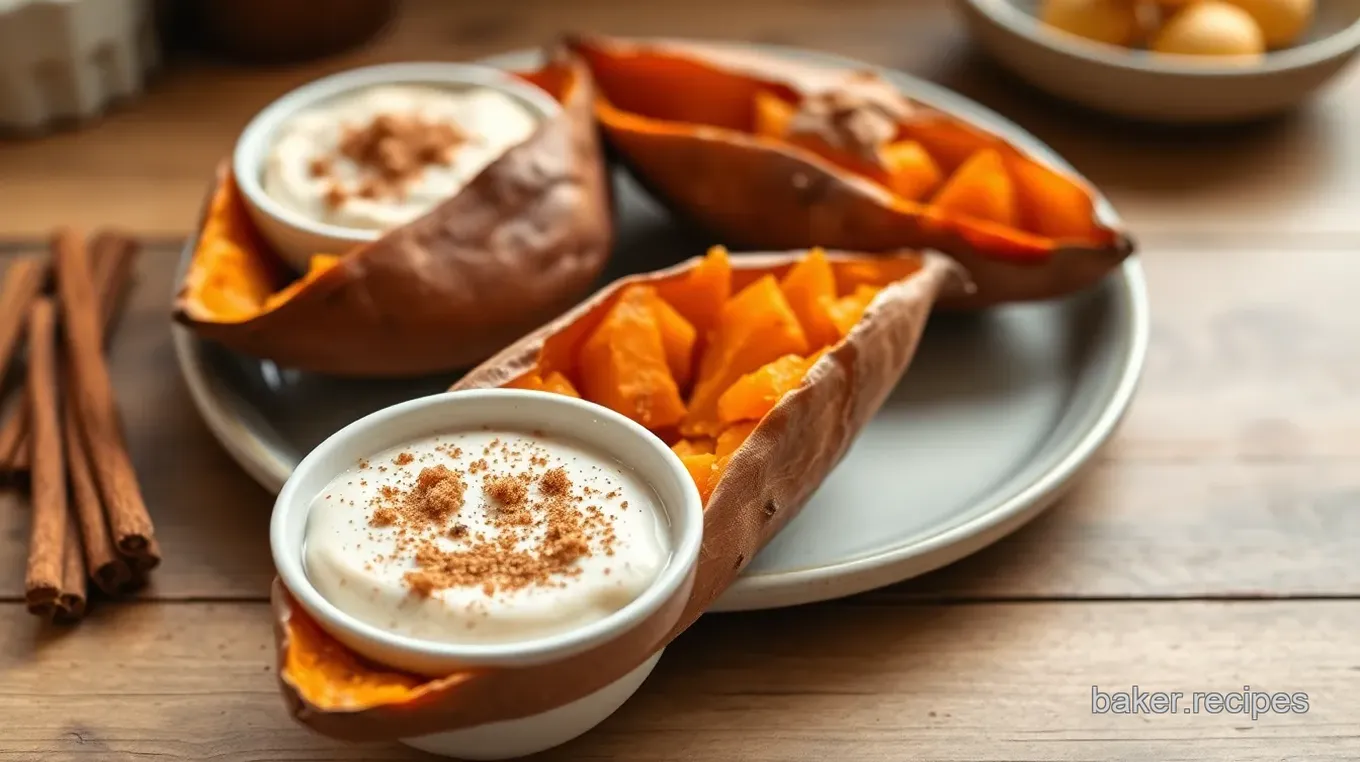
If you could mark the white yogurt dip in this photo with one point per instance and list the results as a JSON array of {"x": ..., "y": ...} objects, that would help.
[
  {"x": 485, "y": 537},
  {"x": 307, "y": 172}
]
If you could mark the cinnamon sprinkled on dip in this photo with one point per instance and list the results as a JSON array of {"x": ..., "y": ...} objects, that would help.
[
  {"x": 384, "y": 155},
  {"x": 486, "y": 537}
]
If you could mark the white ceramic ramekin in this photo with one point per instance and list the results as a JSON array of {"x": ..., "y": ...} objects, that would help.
[
  {"x": 585, "y": 422},
  {"x": 295, "y": 236}
]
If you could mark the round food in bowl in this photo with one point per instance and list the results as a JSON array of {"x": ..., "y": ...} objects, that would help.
[
  {"x": 382, "y": 156},
  {"x": 418, "y": 282},
  {"x": 1191, "y": 61}
]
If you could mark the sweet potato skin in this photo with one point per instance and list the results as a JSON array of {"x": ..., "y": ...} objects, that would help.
[
  {"x": 792, "y": 449},
  {"x": 470, "y": 698},
  {"x": 765, "y": 482},
  {"x": 758, "y": 193},
  {"x": 522, "y": 242}
]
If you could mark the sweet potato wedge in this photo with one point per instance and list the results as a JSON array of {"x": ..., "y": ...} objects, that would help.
[
  {"x": 754, "y": 476},
  {"x": 767, "y": 153},
  {"x": 625, "y": 366},
  {"x": 519, "y": 244}
]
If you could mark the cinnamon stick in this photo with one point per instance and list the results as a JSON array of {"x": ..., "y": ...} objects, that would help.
[
  {"x": 110, "y": 572},
  {"x": 48, "y": 540},
  {"x": 96, "y": 406},
  {"x": 23, "y": 282},
  {"x": 14, "y": 432},
  {"x": 71, "y": 601},
  {"x": 14, "y": 440},
  {"x": 114, "y": 256},
  {"x": 143, "y": 564}
]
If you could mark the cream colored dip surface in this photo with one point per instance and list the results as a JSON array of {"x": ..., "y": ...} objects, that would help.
[
  {"x": 365, "y": 566},
  {"x": 492, "y": 121}
]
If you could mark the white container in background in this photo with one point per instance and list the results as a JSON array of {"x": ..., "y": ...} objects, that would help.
[{"x": 67, "y": 60}]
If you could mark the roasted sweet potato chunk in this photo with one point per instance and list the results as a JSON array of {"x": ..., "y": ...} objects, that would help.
[
  {"x": 623, "y": 364},
  {"x": 809, "y": 287},
  {"x": 773, "y": 154},
  {"x": 847, "y": 310},
  {"x": 980, "y": 189},
  {"x": 701, "y": 293},
  {"x": 700, "y": 446},
  {"x": 756, "y": 393},
  {"x": 677, "y": 337},
  {"x": 910, "y": 171},
  {"x": 700, "y": 467},
  {"x": 553, "y": 382},
  {"x": 754, "y": 327}
]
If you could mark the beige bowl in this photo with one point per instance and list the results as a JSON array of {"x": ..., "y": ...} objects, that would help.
[{"x": 1141, "y": 85}]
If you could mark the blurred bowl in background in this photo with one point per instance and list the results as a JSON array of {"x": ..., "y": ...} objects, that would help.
[
  {"x": 65, "y": 61},
  {"x": 1157, "y": 88},
  {"x": 269, "y": 32}
]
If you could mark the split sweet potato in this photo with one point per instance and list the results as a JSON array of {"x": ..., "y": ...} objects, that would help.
[
  {"x": 784, "y": 409},
  {"x": 768, "y": 153},
  {"x": 523, "y": 241}
]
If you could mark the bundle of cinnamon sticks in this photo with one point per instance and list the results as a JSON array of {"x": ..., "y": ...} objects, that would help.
[{"x": 62, "y": 429}]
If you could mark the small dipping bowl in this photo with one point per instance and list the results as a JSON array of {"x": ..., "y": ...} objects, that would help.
[
  {"x": 590, "y": 425},
  {"x": 1168, "y": 89},
  {"x": 296, "y": 237}
]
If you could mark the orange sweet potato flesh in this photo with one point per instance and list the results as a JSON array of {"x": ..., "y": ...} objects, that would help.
[
  {"x": 756, "y": 393},
  {"x": 699, "y": 125},
  {"x": 700, "y": 468},
  {"x": 326, "y": 673},
  {"x": 678, "y": 337},
  {"x": 763, "y": 465},
  {"x": 980, "y": 189},
  {"x": 440, "y": 293},
  {"x": 911, "y": 171},
  {"x": 753, "y": 476},
  {"x": 732, "y": 437},
  {"x": 809, "y": 286},
  {"x": 773, "y": 115},
  {"x": 333, "y": 691},
  {"x": 553, "y": 382},
  {"x": 903, "y": 167},
  {"x": 699, "y": 446},
  {"x": 756, "y": 326},
  {"x": 750, "y": 328},
  {"x": 700, "y": 294},
  {"x": 846, "y": 311},
  {"x": 623, "y": 365}
]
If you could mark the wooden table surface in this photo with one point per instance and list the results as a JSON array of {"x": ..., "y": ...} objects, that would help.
[{"x": 1214, "y": 545}]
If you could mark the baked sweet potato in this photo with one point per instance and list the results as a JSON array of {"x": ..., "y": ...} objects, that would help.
[
  {"x": 523, "y": 241},
  {"x": 767, "y": 153},
  {"x": 754, "y": 475}
]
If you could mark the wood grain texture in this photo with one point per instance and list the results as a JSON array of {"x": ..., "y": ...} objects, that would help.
[
  {"x": 210, "y": 518},
  {"x": 1232, "y": 475},
  {"x": 1299, "y": 175},
  {"x": 962, "y": 682}
]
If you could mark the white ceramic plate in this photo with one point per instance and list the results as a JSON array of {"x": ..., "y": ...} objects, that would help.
[{"x": 996, "y": 416}]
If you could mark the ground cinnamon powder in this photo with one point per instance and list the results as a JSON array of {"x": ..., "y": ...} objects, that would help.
[
  {"x": 392, "y": 150},
  {"x": 538, "y": 525}
]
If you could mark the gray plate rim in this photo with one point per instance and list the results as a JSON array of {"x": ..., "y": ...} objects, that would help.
[{"x": 999, "y": 514}]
